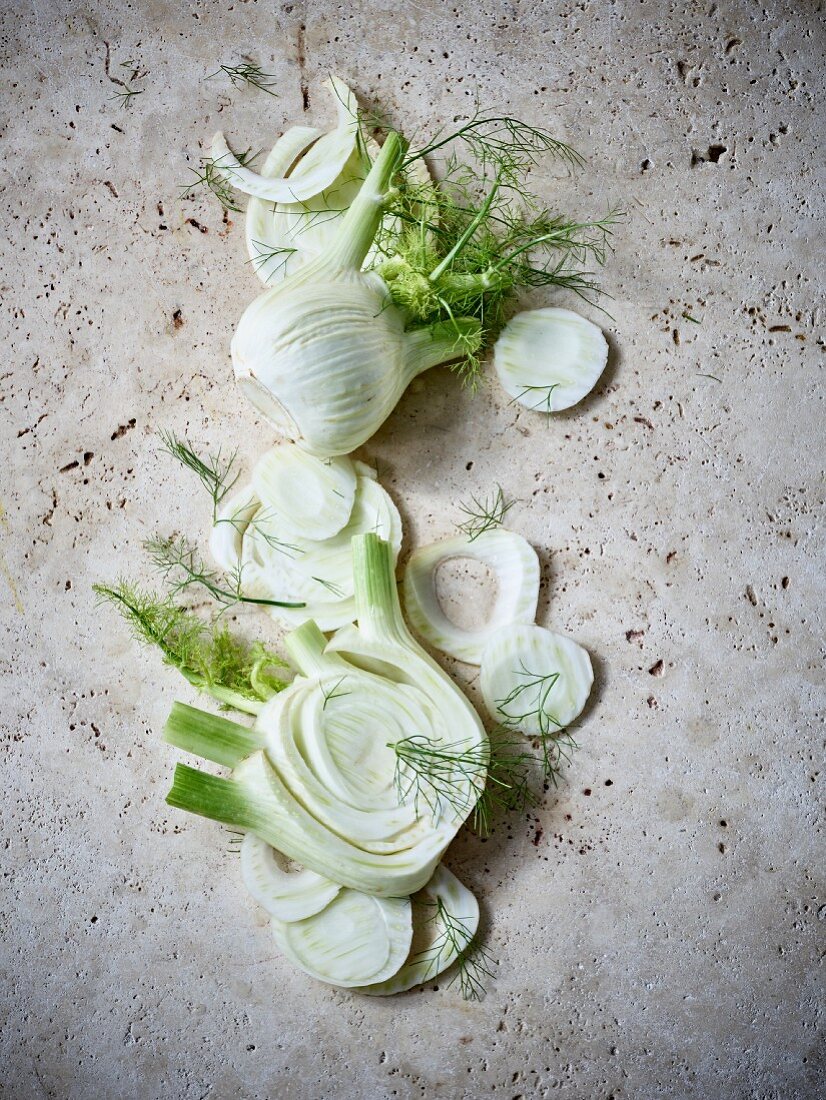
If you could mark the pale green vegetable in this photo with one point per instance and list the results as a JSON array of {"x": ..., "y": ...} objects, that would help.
[
  {"x": 303, "y": 496},
  {"x": 286, "y": 895},
  {"x": 548, "y": 359},
  {"x": 354, "y": 940},
  {"x": 535, "y": 681},
  {"x": 271, "y": 252},
  {"x": 322, "y": 570},
  {"x": 513, "y": 563},
  {"x": 445, "y": 920},
  {"x": 319, "y": 167},
  {"x": 282, "y": 236},
  {"x": 325, "y": 354},
  {"x": 324, "y": 791}
]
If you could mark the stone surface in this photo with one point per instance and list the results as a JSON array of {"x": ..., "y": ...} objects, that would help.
[{"x": 655, "y": 921}]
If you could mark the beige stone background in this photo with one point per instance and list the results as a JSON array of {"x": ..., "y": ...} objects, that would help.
[{"x": 658, "y": 921}]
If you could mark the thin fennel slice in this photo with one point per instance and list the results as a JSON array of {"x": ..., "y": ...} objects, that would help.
[
  {"x": 305, "y": 497},
  {"x": 509, "y": 557},
  {"x": 355, "y": 939},
  {"x": 320, "y": 166},
  {"x": 286, "y": 895},
  {"x": 535, "y": 681},
  {"x": 227, "y": 536},
  {"x": 549, "y": 359},
  {"x": 270, "y": 254},
  {"x": 445, "y": 920},
  {"x": 321, "y": 570}
]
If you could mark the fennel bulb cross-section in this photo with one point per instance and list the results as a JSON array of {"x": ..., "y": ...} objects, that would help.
[
  {"x": 326, "y": 788},
  {"x": 325, "y": 354}
]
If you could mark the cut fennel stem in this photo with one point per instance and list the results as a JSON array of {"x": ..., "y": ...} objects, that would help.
[
  {"x": 320, "y": 166},
  {"x": 325, "y": 355},
  {"x": 549, "y": 359},
  {"x": 323, "y": 792},
  {"x": 513, "y": 562},
  {"x": 535, "y": 681}
]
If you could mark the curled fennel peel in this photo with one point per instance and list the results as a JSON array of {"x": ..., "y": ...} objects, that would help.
[
  {"x": 322, "y": 164},
  {"x": 325, "y": 354}
]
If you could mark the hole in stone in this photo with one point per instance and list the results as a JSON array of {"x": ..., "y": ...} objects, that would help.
[{"x": 466, "y": 590}]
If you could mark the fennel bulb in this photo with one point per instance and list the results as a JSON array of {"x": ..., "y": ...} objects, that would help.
[{"x": 325, "y": 354}]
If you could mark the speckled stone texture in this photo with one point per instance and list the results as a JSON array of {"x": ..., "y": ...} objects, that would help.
[{"x": 656, "y": 919}]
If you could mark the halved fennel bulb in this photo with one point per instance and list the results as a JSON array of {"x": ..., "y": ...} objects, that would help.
[
  {"x": 548, "y": 359},
  {"x": 320, "y": 166},
  {"x": 325, "y": 355},
  {"x": 250, "y": 536},
  {"x": 534, "y": 680},
  {"x": 324, "y": 789},
  {"x": 435, "y": 946},
  {"x": 355, "y": 939},
  {"x": 510, "y": 558},
  {"x": 286, "y": 895}
]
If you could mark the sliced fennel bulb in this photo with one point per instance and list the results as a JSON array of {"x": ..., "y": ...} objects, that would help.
[
  {"x": 548, "y": 359},
  {"x": 534, "y": 680},
  {"x": 509, "y": 557},
  {"x": 272, "y": 552},
  {"x": 445, "y": 920},
  {"x": 325, "y": 355},
  {"x": 269, "y": 248},
  {"x": 324, "y": 788},
  {"x": 304, "y": 497}
]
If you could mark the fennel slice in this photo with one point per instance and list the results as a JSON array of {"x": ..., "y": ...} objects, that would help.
[
  {"x": 286, "y": 895},
  {"x": 320, "y": 166},
  {"x": 549, "y": 359},
  {"x": 509, "y": 557},
  {"x": 535, "y": 681},
  {"x": 434, "y": 949},
  {"x": 307, "y": 498},
  {"x": 355, "y": 940},
  {"x": 270, "y": 254}
]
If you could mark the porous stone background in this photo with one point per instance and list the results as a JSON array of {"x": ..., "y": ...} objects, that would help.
[{"x": 656, "y": 919}]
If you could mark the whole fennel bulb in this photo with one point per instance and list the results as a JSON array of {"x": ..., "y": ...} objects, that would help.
[{"x": 324, "y": 355}]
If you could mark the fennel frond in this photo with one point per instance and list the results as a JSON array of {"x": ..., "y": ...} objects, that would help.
[
  {"x": 247, "y": 73},
  {"x": 544, "y": 393},
  {"x": 181, "y": 566},
  {"x": 215, "y": 472},
  {"x": 484, "y": 514},
  {"x": 127, "y": 94},
  {"x": 207, "y": 655},
  {"x": 333, "y": 693},
  {"x": 218, "y": 477},
  {"x": 210, "y": 175},
  {"x": 465, "y": 248},
  {"x": 472, "y": 960},
  {"x": 439, "y": 776},
  {"x": 532, "y": 695}
]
